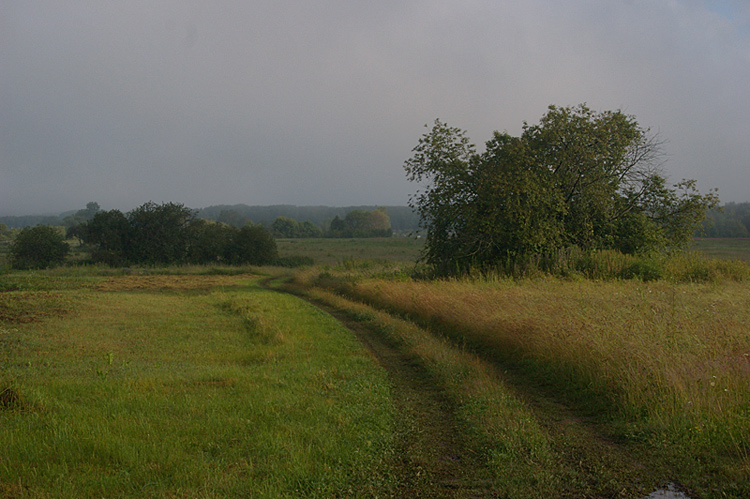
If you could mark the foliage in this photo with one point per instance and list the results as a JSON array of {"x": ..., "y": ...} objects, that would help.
[
  {"x": 359, "y": 223},
  {"x": 208, "y": 241},
  {"x": 109, "y": 232},
  {"x": 289, "y": 228},
  {"x": 159, "y": 233},
  {"x": 38, "y": 247},
  {"x": 309, "y": 229},
  {"x": 81, "y": 216},
  {"x": 578, "y": 178},
  {"x": 285, "y": 227},
  {"x": 252, "y": 244},
  {"x": 231, "y": 217},
  {"x": 731, "y": 220},
  {"x": 169, "y": 233},
  {"x": 403, "y": 218}
]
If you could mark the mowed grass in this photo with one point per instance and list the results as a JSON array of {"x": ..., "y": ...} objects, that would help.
[
  {"x": 663, "y": 368},
  {"x": 184, "y": 386}
]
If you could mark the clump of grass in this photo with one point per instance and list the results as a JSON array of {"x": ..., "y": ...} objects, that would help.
[
  {"x": 696, "y": 267},
  {"x": 10, "y": 398},
  {"x": 254, "y": 315}
]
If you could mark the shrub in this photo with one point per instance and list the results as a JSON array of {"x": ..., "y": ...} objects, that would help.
[{"x": 38, "y": 247}]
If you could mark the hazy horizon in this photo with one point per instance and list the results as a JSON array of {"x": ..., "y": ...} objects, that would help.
[{"x": 320, "y": 103}]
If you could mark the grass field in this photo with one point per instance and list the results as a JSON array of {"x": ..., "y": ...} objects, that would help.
[
  {"x": 337, "y": 251},
  {"x": 661, "y": 368},
  {"x": 183, "y": 386},
  {"x": 202, "y": 382},
  {"x": 737, "y": 248}
]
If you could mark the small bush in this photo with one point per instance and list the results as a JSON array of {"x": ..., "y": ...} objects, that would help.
[{"x": 38, "y": 247}]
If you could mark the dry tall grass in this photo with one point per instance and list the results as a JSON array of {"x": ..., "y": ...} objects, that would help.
[{"x": 663, "y": 362}]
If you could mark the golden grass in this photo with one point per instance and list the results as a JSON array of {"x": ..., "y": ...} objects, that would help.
[{"x": 658, "y": 358}]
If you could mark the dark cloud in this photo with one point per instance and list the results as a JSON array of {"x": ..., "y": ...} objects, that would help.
[{"x": 321, "y": 102}]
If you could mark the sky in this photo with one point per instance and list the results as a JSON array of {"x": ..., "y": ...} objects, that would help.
[{"x": 321, "y": 102}]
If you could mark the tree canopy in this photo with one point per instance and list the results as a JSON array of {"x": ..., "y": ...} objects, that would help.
[
  {"x": 38, "y": 247},
  {"x": 171, "y": 234},
  {"x": 577, "y": 178},
  {"x": 362, "y": 223}
]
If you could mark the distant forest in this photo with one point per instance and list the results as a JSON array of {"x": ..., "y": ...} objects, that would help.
[
  {"x": 732, "y": 220},
  {"x": 402, "y": 218}
]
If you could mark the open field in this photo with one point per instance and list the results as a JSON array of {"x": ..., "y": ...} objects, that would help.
[
  {"x": 660, "y": 370},
  {"x": 327, "y": 251},
  {"x": 209, "y": 382},
  {"x": 183, "y": 386},
  {"x": 729, "y": 248}
]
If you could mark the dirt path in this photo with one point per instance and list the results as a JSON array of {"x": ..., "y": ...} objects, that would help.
[
  {"x": 433, "y": 462},
  {"x": 432, "y": 459}
]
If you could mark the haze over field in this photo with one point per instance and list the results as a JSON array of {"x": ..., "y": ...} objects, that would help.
[{"x": 320, "y": 103}]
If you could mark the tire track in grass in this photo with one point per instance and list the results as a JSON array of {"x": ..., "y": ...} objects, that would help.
[
  {"x": 590, "y": 464},
  {"x": 432, "y": 459}
]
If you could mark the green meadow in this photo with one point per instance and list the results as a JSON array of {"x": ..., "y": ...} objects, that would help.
[
  {"x": 183, "y": 386},
  {"x": 725, "y": 248},
  {"x": 356, "y": 377}
]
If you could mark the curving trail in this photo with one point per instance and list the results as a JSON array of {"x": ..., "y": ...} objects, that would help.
[{"x": 432, "y": 459}]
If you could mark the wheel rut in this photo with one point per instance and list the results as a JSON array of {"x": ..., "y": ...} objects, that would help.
[{"x": 432, "y": 458}]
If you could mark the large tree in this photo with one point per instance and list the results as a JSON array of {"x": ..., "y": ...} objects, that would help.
[
  {"x": 578, "y": 178},
  {"x": 253, "y": 245},
  {"x": 159, "y": 233}
]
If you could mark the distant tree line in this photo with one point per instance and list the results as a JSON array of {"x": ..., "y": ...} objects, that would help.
[
  {"x": 152, "y": 234},
  {"x": 170, "y": 233},
  {"x": 731, "y": 220},
  {"x": 289, "y": 228},
  {"x": 359, "y": 223},
  {"x": 403, "y": 219},
  {"x": 356, "y": 223}
]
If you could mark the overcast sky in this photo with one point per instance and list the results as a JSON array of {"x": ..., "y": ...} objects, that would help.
[{"x": 320, "y": 102}]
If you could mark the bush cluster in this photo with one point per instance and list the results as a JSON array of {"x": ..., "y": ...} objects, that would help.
[
  {"x": 38, "y": 247},
  {"x": 170, "y": 233},
  {"x": 608, "y": 265}
]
